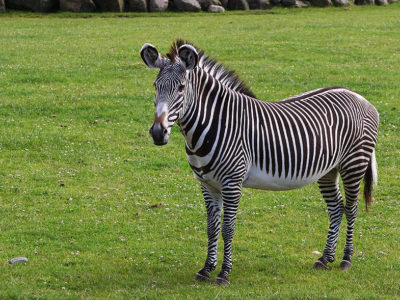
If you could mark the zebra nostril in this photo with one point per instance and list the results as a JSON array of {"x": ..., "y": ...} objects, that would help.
[
  {"x": 165, "y": 131},
  {"x": 151, "y": 131}
]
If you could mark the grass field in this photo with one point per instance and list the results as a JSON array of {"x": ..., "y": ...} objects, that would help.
[{"x": 100, "y": 212}]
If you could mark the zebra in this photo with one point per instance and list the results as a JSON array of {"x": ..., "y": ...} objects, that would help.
[{"x": 233, "y": 140}]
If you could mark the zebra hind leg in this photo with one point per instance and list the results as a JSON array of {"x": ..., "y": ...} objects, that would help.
[
  {"x": 213, "y": 203},
  {"x": 329, "y": 187},
  {"x": 352, "y": 171},
  {"x": 351, "y": 183}
]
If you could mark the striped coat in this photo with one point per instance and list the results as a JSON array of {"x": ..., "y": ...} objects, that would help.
[{"x": 234, "y": 140}]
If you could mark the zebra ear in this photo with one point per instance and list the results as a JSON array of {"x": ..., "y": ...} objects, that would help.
[
  {"x": 189, "y": 56},
  {"x": 151, "y": 57}
]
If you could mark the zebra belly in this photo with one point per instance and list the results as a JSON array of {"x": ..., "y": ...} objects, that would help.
[{"x": 258, "y": 179}]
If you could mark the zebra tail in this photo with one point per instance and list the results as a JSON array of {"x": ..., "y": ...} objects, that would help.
[{"x": 370, "y": 180}]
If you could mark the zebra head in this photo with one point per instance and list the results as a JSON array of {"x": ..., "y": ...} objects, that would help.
[{"x": 170, "y": 86}]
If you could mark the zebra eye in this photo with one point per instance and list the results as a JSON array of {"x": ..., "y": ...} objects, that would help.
[{"x": 180, "y": 88}]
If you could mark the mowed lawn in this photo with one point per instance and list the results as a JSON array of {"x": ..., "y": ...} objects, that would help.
[{"x": 100, "y": 212}]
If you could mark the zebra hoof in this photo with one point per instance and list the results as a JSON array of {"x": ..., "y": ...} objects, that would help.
[
  {"x": 202, "y": 275},
  {"x": 222, "y": 280},
  {"x": 319, "y": 265},
  {"x": 345, "y": 265}
]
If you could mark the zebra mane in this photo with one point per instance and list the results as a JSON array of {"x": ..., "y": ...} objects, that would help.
[{"x": 228, "y": 78}]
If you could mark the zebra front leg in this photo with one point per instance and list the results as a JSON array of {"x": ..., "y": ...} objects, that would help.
[
  {"x": 329, "y": 187},
  {"x": 213, "y": 203},
  {"x": 231, "y": 194}
]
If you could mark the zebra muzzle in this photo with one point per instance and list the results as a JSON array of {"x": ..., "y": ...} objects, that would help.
[{"x": 159, "y": 134}]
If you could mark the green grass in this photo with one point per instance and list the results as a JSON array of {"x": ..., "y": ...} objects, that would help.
[{"x": 79, "y": 174}]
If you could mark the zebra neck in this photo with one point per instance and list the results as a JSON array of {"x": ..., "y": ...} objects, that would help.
[
  {"x": 212, "y": 109},
  {"x": 202, "y": 102}
]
